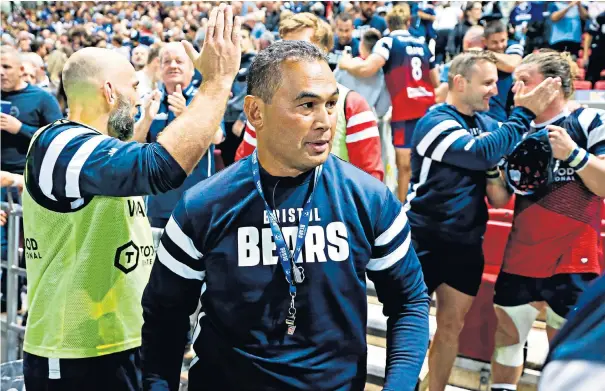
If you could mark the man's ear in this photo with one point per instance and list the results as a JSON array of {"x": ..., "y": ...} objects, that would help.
[
  {"x": 459, "y": 83},
  {"x": 253, "y": 107},
  {"x": 109, "y": 93}
]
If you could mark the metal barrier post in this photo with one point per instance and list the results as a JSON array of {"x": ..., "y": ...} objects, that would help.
[{"x": 12, "y": 280}]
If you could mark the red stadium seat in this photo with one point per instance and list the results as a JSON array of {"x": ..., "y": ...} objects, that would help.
[
  {"x": 494, "y": 242},
  {"x": 582, "y": 85},
  {"x": 501, "y": 215},
  {"x": 599, "y": 85}
]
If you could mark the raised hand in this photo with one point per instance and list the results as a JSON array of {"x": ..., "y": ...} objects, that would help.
[
  {"x": 220, "y": 57},
  {"x": 538, "y": 99}
]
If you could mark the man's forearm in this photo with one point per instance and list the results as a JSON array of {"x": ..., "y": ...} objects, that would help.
[
  {"x": 187, "y": 137},
  {"x": 558, "y": 15},
  {"x": 496, "y": 191},
  {"x": 507, "y": 62},
  {"x": 407, "y": 343}
]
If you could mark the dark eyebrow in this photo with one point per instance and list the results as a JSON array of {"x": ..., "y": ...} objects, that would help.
[{"x": 306, "y": 95}]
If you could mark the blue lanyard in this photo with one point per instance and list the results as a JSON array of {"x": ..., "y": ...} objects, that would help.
[{"x": 294, "y": 274}]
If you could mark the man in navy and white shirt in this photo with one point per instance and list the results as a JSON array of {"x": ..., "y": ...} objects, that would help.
[{"x": 269, "y": 322}]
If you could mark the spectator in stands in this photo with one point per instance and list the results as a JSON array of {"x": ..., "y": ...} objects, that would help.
[
  {"x": 472, "y": 17},
  {"x": 594, "y": 46},
  {"x": 509, "y": 54},
  {"x": 473, "y": 39},
  {"x": 30, "y": 109},
  {"x": 140, "y": 54},
  {"x": 356, "y": 139},
  {"x": 372, "y": 88},
  {"x": 235, "y": 119},
  {"x": 28, "y": 74},
  {"x": 446, "y": 203},
  {"x": 343, "y": 38},
  {"x": 369, "y": 19},
  {"x": 447, "y": 17},
  {"x": 272, "y": 15},
  {"x": 149, "y": 76},
  {"x": 40, "y": 78},
  {"x": 524, "y": 16},
  {"x": 567, "y": 25},
  {"x": 423, "y": 17},
  {"x": 410, "y": 76},
  {"x": 176, "y": 94},
  {"x": 553, "y": 249}
]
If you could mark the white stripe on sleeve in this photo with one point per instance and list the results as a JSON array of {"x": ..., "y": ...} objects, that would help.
[
  {"x": 387, "y": 261},
  {"x": 432, "y": 135},
  {"x": 585, "y": 119},
  {"x": 177, "y": 267},
  {"x": 45, "y": 181},
  {"x": 363, "y": 135},
  {"x": 360, "y": 118},
  {"x": 447, "y": 142},
  {"x": 72, "y": 176},
  {"x": 396, "y": 227},
  {"x": 176, "y": 234}
]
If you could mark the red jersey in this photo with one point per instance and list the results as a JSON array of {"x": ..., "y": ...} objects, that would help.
[{"x": 558, "y": 230}]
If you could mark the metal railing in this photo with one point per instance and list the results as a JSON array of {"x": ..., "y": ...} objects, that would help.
[{"x": 14, "y": 331}]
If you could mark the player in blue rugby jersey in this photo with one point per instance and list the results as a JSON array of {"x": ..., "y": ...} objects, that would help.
[
  {"x": 453, "y": 147},
  {"x": 273, "y": 319}
]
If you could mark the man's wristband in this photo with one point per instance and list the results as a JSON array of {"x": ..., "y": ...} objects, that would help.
[
  {"x": 492, "y": 173},
  {"x": 578, "y": 159}
]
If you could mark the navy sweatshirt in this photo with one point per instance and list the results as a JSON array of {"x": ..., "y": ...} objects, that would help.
[
  {"x": 35, "y": 108},
  {"x": 218, "y": 249},
  {"x": 446, "y": 198}
]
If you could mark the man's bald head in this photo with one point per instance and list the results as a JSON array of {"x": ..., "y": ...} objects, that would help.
[
  {"x": 89, "y": 68},
  {"x": 473, "y": 39},
  {"x": 102, "y": 83}
]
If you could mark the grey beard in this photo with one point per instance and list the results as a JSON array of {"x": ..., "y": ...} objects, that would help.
[{"x": 121, "y": 122}]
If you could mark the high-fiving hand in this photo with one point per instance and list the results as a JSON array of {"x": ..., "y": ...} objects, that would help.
[
  {"x": 177, "y": 102},
  {"x": 220, "y": 57}
]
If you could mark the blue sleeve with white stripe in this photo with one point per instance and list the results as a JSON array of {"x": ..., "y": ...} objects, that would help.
[
  {"x": 383, "y": 47},
  {"x": 445, "y": 140},
  {"x": 170, "y": 297},
  {"x": 515, "y": 48},
  {"x": 397, "y": 276},
  {"x": 592, "y": 122},
  {"x": 76, "y": 162}
]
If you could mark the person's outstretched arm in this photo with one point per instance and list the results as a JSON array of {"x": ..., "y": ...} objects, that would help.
[{"x": 397, "y": 276}]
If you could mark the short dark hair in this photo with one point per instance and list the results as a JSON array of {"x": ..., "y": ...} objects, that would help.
[
  {"x": 154, "y": 53},
  {"x": 247, "y": 28},
  {"x": 265, "y": 74},
  {"x": 345, "y": 17},
  {"x": 494, "y": 27},
  {"x": 369, "y": 39}
]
